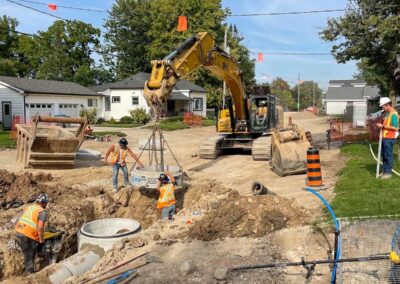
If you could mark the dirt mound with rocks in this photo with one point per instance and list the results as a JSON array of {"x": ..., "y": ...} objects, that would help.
[
  {"x": 248, "y": 216},
  {"x": 17, "y": 189}
]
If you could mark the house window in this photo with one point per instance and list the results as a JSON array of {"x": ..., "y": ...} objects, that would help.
[
  {"x": 116, "y": 100},
  {"x": 107, "y": 104},
  {"x": 92, "y": 102},
  {"x": 198, "y": 103},
  {"x": 66, "y": 106},
  {"x": 135, "y": 100}
]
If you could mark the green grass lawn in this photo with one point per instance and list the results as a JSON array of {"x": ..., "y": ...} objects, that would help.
[
  {"x": 118, "y": 125},
  {"x": 5, "y": 141},
  {"x": 113, "y": 133},
  {"x": 208, "y": 122},
  {"x": 358, "y": 192}
]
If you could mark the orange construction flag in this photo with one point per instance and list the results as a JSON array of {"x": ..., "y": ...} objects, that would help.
[
  {"x": 260, "y": 57},
  {"x": 52, "y": 7},
  {"x": 182, "y": 24}
]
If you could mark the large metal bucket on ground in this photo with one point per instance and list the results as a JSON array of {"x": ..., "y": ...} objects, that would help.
[
  {"x": 289, "y": 149},
  {"x": 49, "y": 146}
]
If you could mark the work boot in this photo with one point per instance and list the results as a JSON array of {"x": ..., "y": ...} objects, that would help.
[{"x": 386, "y": 176}]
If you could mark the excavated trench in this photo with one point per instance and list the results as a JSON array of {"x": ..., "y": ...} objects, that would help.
[{"x": 224, "y": 213}]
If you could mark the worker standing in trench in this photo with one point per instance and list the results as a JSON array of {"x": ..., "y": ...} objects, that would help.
[
  {"x": 120, "y": 151},
  {"x": 30, "y": 230},
  {"x": 389, "y": 135},
  {"x": 166, "y": 201}
]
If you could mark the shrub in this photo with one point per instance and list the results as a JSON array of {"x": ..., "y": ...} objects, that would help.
[
  {"x": 100, "y": 120},
  {"x": 112, "y": 120},
  {"x": 91, "y": 114},
  {"x": 126, "y": 120},
  {"x": 140, "y": 116}
]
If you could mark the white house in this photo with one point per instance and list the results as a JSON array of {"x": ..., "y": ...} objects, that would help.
[
  {"x": 122, "y": 96},
  {"x": 346, "y": 93},
  {"x": 27, "y": 97}
]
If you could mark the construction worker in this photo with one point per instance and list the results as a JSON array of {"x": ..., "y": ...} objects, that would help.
[
  {"x": 389, "y": 135},
  {"x": 166, "y": 200},
  {"x": 120, "y": 151},
  {"x": 30, "y": 230}
]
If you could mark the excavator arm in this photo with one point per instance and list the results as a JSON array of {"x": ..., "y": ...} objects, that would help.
[{"x": 198, "y": 51}]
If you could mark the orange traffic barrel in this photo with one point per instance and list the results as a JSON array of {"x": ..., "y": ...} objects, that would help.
[{"x": 314, "y": 175}]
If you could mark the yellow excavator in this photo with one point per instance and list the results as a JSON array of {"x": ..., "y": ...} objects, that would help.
[{"x": 252, "y": 122}]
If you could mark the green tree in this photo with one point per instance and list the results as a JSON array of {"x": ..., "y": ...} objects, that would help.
[
  {"x": 11, "y": 60},
  {"x": 307, "y": 94},
  {"x": 371, "y": 35},
  {"x": 281, "y": 89},
  {"x": 65, "y": 51},
  {"x": 127, "y": 45}
]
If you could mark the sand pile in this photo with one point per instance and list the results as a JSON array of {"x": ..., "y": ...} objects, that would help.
[{"x": 248, "y": 216}]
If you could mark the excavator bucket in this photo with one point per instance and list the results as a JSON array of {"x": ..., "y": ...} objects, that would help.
[
  {"x": 49, "y": 146},
  {"x": 289, "y": 149}
]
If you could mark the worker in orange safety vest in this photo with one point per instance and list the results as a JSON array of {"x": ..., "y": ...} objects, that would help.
[
  {"x": 389, "y": 134},
  {"x": 166, "y": 200},
  {"x": 119, "y": 153},
  {"x": 30, "y": 230}
]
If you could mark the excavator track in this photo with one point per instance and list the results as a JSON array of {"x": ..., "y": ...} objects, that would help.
[
  {"x": 261, "y": 149},
  {"x": 209, "y": 147}
]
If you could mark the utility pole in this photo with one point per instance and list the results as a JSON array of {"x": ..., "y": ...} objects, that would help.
[
  {"x": 298, "y": 93},
  {"x": 313, "y": 96},
  {"x": 224, "y": 84}
]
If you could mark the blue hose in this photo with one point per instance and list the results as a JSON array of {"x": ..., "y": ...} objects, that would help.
[{"x": 337, "y": 256}]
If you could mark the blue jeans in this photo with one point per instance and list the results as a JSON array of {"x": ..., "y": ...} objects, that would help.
[
  {"x": 124, "y": 170},
  {"x": 168, "y": 212},
  {"x": 387, "y": 155}
]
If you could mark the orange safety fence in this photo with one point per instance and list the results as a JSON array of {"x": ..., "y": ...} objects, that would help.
[
  {"x": 15, "y": 120},
  {"x": 191, "y": 119}
]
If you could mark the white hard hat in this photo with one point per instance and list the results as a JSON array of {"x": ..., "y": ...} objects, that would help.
[{"x": 383, "y": 101}]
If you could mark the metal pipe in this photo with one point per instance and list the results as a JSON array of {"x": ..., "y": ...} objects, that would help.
[
  {"x": 313, "y": 262},
  {"x": 51, "y": 119}
]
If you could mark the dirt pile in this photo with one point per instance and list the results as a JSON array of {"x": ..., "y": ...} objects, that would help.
[
  {"x": 248, "y": 216},
  {"x": 16, "y": 190}
]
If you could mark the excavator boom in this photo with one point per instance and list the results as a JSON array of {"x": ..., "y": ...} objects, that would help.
[{"x": 198, "y": 51}]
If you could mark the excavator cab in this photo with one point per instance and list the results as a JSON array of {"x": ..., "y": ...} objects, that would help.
[{"x": 262, "y": 114}]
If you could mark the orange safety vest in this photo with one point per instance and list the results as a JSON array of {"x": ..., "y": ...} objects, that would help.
[
  {"x": 28, "y": 222},
  {"x": 119, "y": 155},
  {"x": 388, "y": 133},
  {"x": 167, "y": 196}
]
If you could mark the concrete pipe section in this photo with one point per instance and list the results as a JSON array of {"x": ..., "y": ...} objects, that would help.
[
  {"x": 94, "y": 239},
  {"x": 104, "y": 233},
  {"x": 148, "y": 176}
]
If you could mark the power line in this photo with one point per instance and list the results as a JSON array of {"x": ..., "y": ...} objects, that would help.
[
  {"x": 292, "y": 53},
  {"x": 289, "y": 13},
  {"x": 66, "y": 7},
  {"x": 37, "y": 10}
]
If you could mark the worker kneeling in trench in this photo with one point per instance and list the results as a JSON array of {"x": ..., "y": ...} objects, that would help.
[
  {"x": 30, "y": 230},
  {"x": 166, "y": 200}
]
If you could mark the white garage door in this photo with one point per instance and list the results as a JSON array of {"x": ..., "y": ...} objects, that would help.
[
  {"x": 41, "y": 109},
  {"x": 71, "y": 110}
]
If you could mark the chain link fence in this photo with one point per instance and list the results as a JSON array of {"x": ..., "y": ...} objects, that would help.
[{"x": 363, "y": 238}]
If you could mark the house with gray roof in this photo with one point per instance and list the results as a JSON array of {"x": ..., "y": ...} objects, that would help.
[
  {"x": 123, "y": 96},
  {"x": 347, "y": 93},
  {"x": 23, "y": 98}
]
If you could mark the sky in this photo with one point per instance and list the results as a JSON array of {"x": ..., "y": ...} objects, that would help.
[{"x": 284, "y": 33}]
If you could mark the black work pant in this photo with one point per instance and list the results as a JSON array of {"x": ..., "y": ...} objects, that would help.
[{"x": 28, "y": 247}]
